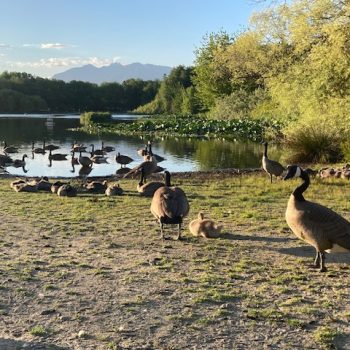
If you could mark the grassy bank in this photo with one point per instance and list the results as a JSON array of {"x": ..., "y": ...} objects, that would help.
[
  {"x": 189, "y": 126},
  {"x": 96, "y": 265}
]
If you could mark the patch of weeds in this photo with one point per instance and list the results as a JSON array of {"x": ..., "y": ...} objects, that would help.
[
  {"x": 38, "y": 331},
  {"x": 325, "y": 335},
  {"x": 48, "y": 287},
  {"x": 268, "y": 313}
]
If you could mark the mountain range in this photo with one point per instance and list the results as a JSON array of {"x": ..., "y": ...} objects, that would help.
[{"x": 115, "y": 72}]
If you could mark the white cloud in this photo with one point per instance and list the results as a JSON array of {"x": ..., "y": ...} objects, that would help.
[
  {"x": 4, "y": 46},
  {"x": 64, "y": 62},
  {"x": 57, "y": 46}
]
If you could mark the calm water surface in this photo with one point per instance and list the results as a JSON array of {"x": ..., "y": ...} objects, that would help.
[{"x": 182, "y": 154}]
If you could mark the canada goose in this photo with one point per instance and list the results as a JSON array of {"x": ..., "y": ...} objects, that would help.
[
  {"x": 169, "y": 205},
  {"x": 17, "y": 182},
  {"x": 99, "y": 159},
  {"x": 326, "y": 173},
  {"x": 317, "y": 225},
  {"x": 345, "y": 174},
  {"x": 78, "y": 147},
  {"x": 206, "y": 228},
  {"x": 74, "y": 161},
  {"x": 67, "y": 191},
  {"x": 38, "y": 150},
  {"x": 51, "y": 147},
  {"x": 143, "y": 151},
  {"x": 44, "y": 184},
  {"x": 123, "y": 160},
  {"x": 107, "y": 148},
  {"x": 114, "y": 190},
  {"x": 18, "y": 163},
  {"x": 25, "y": 187},
  {"x": 156, "y": 156},
  {"x": 97, "y": 152},
  {"x": 10, "y": 149},
  {"x": 56, "y": 185},
  {"x": 148, "y": 189},
  {"x": 96, "y": 186},
  {"x": 5, "y": 160},
  {"x": 149, "y": 166},
  {"x": 57, "y": 156},
  {"x": 271, "y": 166},
  {"x": 84, "y": 160}
]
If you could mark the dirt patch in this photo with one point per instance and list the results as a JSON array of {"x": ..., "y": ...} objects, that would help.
[{"x": 92, "y": 273}]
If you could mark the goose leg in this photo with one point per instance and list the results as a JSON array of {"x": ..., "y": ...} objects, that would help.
[
  {"x": 317, "y": 259},
  {"x": 161, "y": 231},
  {"x": 271, "y": 178},
  {"x": 179, "y": 232},
  {"x": 322, "y": 260}
]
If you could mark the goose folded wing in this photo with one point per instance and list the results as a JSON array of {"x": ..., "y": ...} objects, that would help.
[{"x": 328, "y": 223}]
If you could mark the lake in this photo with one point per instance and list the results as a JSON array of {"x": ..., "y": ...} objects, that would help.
[{"x": 181, "y": 153}]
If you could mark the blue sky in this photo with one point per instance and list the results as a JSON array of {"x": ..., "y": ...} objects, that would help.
[{"x": 44, "y": 37}]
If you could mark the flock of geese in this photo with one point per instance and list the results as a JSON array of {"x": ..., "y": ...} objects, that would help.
[{"x": 317, "y": 225}]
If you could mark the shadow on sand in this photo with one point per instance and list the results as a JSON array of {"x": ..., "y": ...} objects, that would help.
[{"x": 12, "y": 344}]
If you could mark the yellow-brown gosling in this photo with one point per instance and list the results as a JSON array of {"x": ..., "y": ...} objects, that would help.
[{"x": 206, "y": 228}]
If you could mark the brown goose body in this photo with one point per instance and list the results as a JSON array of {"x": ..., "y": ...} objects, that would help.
[
  {"x": 38, "y": 150},
  {"x": 114, "y": 190},
  {"x": 206, "y": 228},
  {"x": 56, "y": 185},
  {"x": 169, "y": 205},
  {"x": 5, "y": 160},
  {"x": 57, "y": 156},
  {"x": 148, "y": 167},
  {"x": 271, "y": 167},
  {"x": 148, "y": 189},
  {"x": 66, "y": 191},
  {"x": 10, "y": 149},
  {"x": 122, "y": 159},
  {"x": 96, "y": 186},
  {"x": 25, "y": 187},
  {"x": 316, "y": 224}
]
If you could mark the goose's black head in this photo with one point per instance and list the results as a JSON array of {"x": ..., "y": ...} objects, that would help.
[
  {"x": 167, "y": 178},
  {"x": 293, "y": 171}
]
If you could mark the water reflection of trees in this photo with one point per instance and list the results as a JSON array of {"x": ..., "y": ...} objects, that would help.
[{"x": 215, "y": 153}]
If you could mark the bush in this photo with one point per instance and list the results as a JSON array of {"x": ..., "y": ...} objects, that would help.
[
  {"x": 313, "y": 142},
  {"x": 89, "y": 118}
]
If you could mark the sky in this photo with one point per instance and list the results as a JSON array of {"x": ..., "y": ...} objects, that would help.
[{"x": 45, "y": 37}]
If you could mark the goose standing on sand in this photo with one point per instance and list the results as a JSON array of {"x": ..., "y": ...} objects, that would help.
[
  {"x": 317, "y": 225},
  {"x": 148, "y": 189},
  {"x": 84, "y": 160},
  {"x": 169, "y": 205},
  {"x": 271, "y": 166},
  {"x": 123, "y": 160}
]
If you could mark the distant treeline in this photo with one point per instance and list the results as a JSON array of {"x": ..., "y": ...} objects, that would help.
[{"x": 24, "y": 93}]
